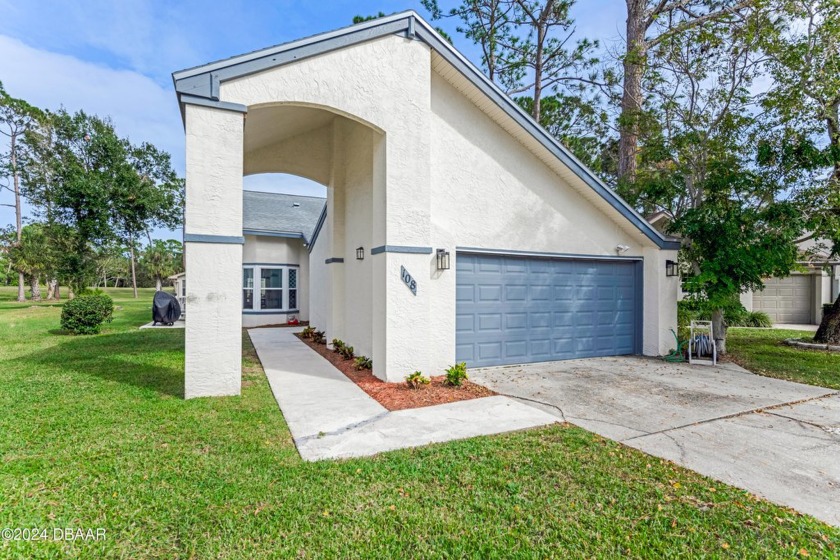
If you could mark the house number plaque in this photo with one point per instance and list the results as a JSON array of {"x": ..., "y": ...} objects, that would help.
[{"x": 408, "y": 280}]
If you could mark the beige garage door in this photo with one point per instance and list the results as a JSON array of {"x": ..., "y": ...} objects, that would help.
[{"x": 786, "y": 300}]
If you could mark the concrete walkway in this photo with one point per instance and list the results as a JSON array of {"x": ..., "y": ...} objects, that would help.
[
  {"x": 777, "y": 439},
  {"x": 331, "y": 417},
  {"x": 810, "y": 328}
]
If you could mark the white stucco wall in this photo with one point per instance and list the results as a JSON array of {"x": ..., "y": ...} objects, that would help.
[
  {"x": 357, "y": 186},
  {"x": 319, "y": 286},
  {"x": 213, "y": 337}
]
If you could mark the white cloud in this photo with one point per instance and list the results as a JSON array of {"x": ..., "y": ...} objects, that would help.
[{"x": 140, "y": 108}]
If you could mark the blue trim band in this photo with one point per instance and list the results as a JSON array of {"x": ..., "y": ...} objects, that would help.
[
  {"x": 401, "y": 249},
  {"x": 202, "y": 238},
  {"x": 538, "y": 254},
  {"x": 334, "y": 260},
  {"x": 204, "y": 102}
]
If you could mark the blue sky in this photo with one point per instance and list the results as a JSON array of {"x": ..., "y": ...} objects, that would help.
[{"x": 116, "y": 57}]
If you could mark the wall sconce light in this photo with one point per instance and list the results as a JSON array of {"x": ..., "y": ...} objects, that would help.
[
  {"x": 671, "y": 269},
  {"x": 442, "y": 259},
  {"x": 360, "y": 253}
]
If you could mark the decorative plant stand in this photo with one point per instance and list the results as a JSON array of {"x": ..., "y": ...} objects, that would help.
[{"x": 701, "y": 344}]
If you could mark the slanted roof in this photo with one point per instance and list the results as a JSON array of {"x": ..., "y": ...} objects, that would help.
[
  {"x": 284, "y": 215},
  {"x": 201, "y": 84}
]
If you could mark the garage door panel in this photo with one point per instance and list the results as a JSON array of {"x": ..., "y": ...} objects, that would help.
[
  {"x": 525, "y": 310},
  {"x": 515, "y": 321},
  {"x": 464, "y": 322},
  {"x": 516, "y": 293},
  {"x": 464, "y": 293}
]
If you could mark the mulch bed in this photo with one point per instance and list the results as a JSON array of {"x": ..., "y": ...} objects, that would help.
[{"x": 399, "y": 396}]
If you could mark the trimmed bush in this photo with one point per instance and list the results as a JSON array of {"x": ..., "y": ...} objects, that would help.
[
  {"x": 417, "y": 380},
  {"x": 457, "y": 374},
  {"x": 363, "y": 362},
  {"x": 85, "y": 314},
  {"x": 346, "y": 352}
]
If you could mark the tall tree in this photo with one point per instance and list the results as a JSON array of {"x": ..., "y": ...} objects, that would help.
[
  {"x": 98, "y": 187},
  {"x": 32, "y": 257},
  {"x": 527, "y": 46},
  {"x": 161, "y": 259},
  {"x": 150, "y": 196},
  {"x": 697, "y": 162},
  {"x": 804, "y": 61},
  {"x": 650, "y": 22},
  {"x": 16, "y": 118}
]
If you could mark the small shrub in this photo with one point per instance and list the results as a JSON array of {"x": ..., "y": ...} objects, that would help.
[
  {"x": 307, "y": 332},
  {"x": 86, "y": 313},
  {"x": 758, "y": 319},
  {"x": 363, "y": 362},
  {"x": 417, "y": 380},
  {"x": 346, "y": 352},
  {"x": 457, "y": 374},
  {"x": 338, "y": 344},
  {"x": 319, "y": 337}
]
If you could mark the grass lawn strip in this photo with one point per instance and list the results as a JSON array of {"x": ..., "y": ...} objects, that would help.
[{"x": 94, "y": 433}]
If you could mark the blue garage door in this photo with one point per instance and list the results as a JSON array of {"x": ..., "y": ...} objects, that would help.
[{"x": 514, "y": 310}]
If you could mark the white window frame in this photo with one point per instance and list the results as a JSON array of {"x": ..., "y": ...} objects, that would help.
[{"x": 257, "y": 295}]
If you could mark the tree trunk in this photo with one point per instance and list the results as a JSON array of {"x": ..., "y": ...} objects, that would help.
[
  {"x": 57, "y": 292},
  {"x": 158, "y": 284},
  {"x": 35, "y": 287},
  {"x": 51, "y": 286},
  {"x": 829, "y": 331},
  {"x": 631, "y": 97},
  {"x": 21, "y": 290},
  {"x": 18, "y": 212},
  {"x": 133, "y": 273},
  {"x": 719, "y": 331}
]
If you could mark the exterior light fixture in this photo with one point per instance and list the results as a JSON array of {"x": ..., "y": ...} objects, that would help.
[
  {"x": 360, "y": 253},
  {"x": 442, "y": 259},
  {"x": 671, "y": 269}
]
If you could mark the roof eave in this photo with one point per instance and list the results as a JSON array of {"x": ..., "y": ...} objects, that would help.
[{"x": 201, "y": 85}]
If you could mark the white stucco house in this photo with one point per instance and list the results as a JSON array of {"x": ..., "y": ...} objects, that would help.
[
  {"x": 456, "y": 228},
  {"x": 797, "y": 299}
]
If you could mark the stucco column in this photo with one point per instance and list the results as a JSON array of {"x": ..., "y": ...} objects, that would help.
[
  {"x": 659, "y": 303},
  {"x": 213, "y": 251},
  {"x": 402, "y": 235}
]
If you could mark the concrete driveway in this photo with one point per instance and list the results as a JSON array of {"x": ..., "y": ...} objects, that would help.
[{"x": 777, "y": 439}]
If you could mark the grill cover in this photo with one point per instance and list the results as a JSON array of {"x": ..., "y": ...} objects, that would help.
[{"x": 165, "y": 308}]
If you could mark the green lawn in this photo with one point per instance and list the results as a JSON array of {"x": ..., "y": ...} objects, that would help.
[
  {"x": 94, "y": 433},
  {"x": 761, "y": 351}
]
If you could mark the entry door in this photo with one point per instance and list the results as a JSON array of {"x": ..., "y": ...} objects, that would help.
[{"x": 513, "y": 310}]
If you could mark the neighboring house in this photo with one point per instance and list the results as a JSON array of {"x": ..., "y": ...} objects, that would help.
[
  {"x": 277, "y": 230},
  {"x": 456, "y": 228},
  {"x": 795, "y": 299}
]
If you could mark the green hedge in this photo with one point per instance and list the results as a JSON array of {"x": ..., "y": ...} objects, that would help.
[{"x": 86, "y": 313}]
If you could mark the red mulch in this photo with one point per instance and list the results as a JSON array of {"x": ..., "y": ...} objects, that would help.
[{"x": 399, "y": 396}]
